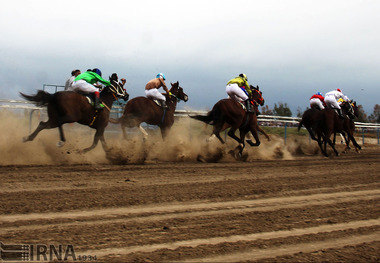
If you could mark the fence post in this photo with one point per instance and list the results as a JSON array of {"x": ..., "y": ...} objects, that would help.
[
  {"x": 363, "y": 135},
  {"x": 378, "y": 137},
  {"x": 286, "y": 125}
]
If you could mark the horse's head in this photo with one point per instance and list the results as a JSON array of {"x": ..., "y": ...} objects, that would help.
[
  {"x": 177, "y": 91},
  {"x": 116, "y": 88},
  {"x": 350, "y": 108},
  {"x": 257, "y": 95},
  {"x": 355, "y": 108}
]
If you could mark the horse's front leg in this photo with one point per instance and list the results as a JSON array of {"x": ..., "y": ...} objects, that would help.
[
  {"x": 99, "y": 135},
  {"x": 61, "y": 136},
  {"x": 256, "y": 136},
  {"x": 263, "y": 132}
]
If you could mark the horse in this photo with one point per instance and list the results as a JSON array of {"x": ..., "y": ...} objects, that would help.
[
  {"x": 309, "y": 120},
  {"x": 68, "y": 107},
  {"x": 353, "y": 112},
  {"x": 231, "y": 112},
  {"x": 142, "y": 109},
  {"x": 258, "y": 100},
  {"x": 330, "y": 123}
]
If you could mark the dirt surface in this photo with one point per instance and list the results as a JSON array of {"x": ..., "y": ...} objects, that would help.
[
  {"x": 154, "y": 202},
  {"x": 307, "y": 209}
]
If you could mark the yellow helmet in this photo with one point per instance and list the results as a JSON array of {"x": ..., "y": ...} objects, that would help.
[{"x": 242, "y": 75}]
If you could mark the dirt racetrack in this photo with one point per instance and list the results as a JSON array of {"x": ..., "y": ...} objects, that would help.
[{"x": 288, "y": 208}]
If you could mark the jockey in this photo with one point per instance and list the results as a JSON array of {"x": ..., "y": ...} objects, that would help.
[
  {"x": 70, "y": 80},
  {"x": 239, "y": 90},
  {"x": 331, "y": 100},
  {"x": 317, "y": 100},
  {"x": 151, "y": 89},
  {"x": 86, "y": 82}
]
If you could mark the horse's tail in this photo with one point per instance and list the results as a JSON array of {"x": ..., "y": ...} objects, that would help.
[
  {"x": 211, "y": 118},
  {"x": 42, "y": 98}
]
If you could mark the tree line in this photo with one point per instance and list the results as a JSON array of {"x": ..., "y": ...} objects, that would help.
[{"x": 282, "y": 109}]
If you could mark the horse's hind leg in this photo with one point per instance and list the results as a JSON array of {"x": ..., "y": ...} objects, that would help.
[
  {"x": 41, "y": 126},
  {"x": 61, "y": 136},
  {"x": 231, "y": 133}
]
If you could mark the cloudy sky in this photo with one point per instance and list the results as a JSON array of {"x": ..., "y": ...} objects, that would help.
[{"x": 291, "y": 49}]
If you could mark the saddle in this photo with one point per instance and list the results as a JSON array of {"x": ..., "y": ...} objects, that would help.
[{"x": 158, "y": 102}]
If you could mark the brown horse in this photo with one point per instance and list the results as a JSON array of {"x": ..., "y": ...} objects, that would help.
[
  {"x": 310, "y": 120},
  {"x": 68, "y": 107},
  {"x": 142, "y": 109},
  {"x": 257, "y": 100},
  {"x": 329, "y": 123},
  {"x": 232, "y": 113}
]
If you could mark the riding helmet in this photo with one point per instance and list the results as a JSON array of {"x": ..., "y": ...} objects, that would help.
[
  {"x": 242, "y": 75},
  {"x": 318, "y": 93},
  {"x": 161, "y": 75},
  {"x": 97, "y": 71},
  {"x": 338, "y": 90}
]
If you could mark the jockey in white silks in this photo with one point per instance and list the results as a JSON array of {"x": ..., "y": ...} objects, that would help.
[{"x": 331, "y": 100}]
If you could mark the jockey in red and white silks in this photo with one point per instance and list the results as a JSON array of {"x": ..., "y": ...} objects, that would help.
[{"x": 317, "y": 100}]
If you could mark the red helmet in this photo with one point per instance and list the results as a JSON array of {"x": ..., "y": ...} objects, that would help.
[{"x": 339, "y": 90}]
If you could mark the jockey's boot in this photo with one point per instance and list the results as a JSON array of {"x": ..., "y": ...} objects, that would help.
[
  {"x": 163, "y": 104},
  {"x": 248, "y": 106},
  {"x": 340, "y": 114},
  {"x": 97, "y": 101}
]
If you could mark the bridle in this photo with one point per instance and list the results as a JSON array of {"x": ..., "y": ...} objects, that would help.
[{"x": 260, "y": 99}]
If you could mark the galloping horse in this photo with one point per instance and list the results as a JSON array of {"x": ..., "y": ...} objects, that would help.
[
  {"x": 258, "y": 100},
  {"x": 68, "y": 107},
  {"x": 329, "y": 122},
  {"x": 231, "y": 112},
  {"x": 142, "y": 109},
  {"x": 310, "y": 120}
]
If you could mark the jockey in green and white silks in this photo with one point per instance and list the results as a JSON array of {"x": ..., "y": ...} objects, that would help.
[{"x": 85, "y": 83}]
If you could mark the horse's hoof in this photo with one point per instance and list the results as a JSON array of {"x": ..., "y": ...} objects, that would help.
[
  {"x": 60, "y": 144},
  {"x": 25, "y": 139}
]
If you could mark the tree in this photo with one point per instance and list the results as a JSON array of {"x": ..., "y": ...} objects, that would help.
[
  {"x": 266, "y": 111},
  {"x": 299, "y": 112},
  {"x": 362, "y": 116},
  {"x": 375, "y": 116},
  {"x": 282, "y": 110}
]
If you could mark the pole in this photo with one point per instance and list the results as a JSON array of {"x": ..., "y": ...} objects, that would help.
[{"x": 286, "y": 125}]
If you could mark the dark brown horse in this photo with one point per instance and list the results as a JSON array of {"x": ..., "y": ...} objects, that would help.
[
  {"x": 330, "y": 123},
  {"x": 229, "y": 111},
  {"x": 68, "y": 107},
  {"x": 142, "y": 109},
  {"x": 310, "y": 121}
]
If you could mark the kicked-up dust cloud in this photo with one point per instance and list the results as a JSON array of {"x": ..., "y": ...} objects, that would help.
[{"x": 186, "y": 142}]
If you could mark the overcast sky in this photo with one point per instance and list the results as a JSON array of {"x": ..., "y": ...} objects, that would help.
[{"x": 291, "y": 49}]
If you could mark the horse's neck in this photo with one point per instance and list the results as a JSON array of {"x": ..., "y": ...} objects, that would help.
[
  {"x": 172, "y": 103},
  {"x": 107, "y": 98}
]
